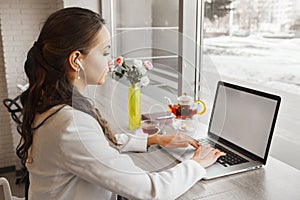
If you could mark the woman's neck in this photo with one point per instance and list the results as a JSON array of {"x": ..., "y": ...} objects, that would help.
[{"x": 80, "y": 86}]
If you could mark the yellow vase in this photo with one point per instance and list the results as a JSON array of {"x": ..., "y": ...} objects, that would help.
[{"x": 134, "y": 107}]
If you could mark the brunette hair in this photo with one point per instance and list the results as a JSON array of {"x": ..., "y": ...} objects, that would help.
[{"x": 64, "y": 31}]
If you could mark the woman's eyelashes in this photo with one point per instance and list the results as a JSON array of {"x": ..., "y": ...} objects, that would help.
[{"x": 106, "y": 54}]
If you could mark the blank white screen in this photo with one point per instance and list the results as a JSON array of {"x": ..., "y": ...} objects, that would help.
[{"x": 243, "y": 119}]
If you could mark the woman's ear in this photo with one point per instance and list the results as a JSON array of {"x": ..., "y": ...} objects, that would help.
[{"x": 74, "y": 59}]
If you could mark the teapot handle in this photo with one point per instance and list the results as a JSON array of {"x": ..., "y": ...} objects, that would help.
[{"x": 203, "y": 106}]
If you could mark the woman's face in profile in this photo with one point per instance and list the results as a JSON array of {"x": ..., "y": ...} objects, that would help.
[{"x": 96, "y": 63}]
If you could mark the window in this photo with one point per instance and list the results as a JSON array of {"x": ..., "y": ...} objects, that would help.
[
  {"x": 147, "y": 30},
  {"x": 257, "y": 44},
  {"x": 196, "y": 43}
]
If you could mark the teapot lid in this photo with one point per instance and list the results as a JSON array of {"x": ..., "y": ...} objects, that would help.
[{"x": 185, "y": 100}]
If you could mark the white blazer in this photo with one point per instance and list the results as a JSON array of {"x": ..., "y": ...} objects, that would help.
[{"x": 71, "y": 159}]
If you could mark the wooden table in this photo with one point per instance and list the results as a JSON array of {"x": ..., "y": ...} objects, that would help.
[{"x": 276, "y": 180}]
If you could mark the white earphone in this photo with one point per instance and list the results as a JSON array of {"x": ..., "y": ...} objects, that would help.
[{"x": 80, "y": 65}]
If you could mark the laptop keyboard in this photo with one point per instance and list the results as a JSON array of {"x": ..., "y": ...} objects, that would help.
[{"x": 230, "y": 158}]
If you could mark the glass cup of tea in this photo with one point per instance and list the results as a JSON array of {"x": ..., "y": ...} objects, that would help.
[{"x": 150, "y": 127}]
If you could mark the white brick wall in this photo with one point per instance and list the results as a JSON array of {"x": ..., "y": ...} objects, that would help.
[
  {"x": 21, "y": 21},
  {"x": 93, "y": 5},
  {"x": 6, "y": 139},
  {"x": 6, "y": 146}
]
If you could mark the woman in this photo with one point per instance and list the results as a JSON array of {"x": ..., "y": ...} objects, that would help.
[{"x": 66, "y": 143}]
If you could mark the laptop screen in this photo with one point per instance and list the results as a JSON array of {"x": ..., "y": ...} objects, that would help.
[{"x": 244, "y": 117}]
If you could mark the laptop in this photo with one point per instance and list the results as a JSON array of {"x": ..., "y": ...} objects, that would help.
[{"x": 241, "y": 124}]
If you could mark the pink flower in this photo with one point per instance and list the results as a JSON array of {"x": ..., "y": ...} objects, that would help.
[
  {"x": 148, "y": 65},
  {"x": 119, "y": 60}
]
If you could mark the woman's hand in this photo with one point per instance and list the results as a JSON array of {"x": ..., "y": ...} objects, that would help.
[
  {"x": 173, "y": 141},
  {"x": 206, "y": 155}
]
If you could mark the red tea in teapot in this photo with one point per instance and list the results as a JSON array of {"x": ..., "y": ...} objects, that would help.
[{"x": 182, "y": 111}]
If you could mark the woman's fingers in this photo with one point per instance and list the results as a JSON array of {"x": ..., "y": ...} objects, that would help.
[
  {"x": 197, "y": 152},
  {"x": 191, "y": 141},
  {"x": 207, "y": 155},
  {"x": 219, "y": 154},
  {"x": 180, "y": 140},
  {"x": 195, "y": 143}
]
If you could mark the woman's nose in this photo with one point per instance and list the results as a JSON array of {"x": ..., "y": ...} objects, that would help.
[{"x": 110, "y": 62}]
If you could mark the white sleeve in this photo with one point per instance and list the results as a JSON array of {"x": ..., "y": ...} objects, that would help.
[
  {"x": 88, "y": 155},
  {"x": 132, "y": 142}
]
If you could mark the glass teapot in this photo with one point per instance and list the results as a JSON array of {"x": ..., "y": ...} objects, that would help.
[
  {"x": 184, "y": 111},
  {"x": 186, "y": 107}
]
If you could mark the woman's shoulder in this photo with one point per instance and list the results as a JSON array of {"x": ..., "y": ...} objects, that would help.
[
  {"x": 71, "y": 113},
  {"x": 66, "y": 114}
]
